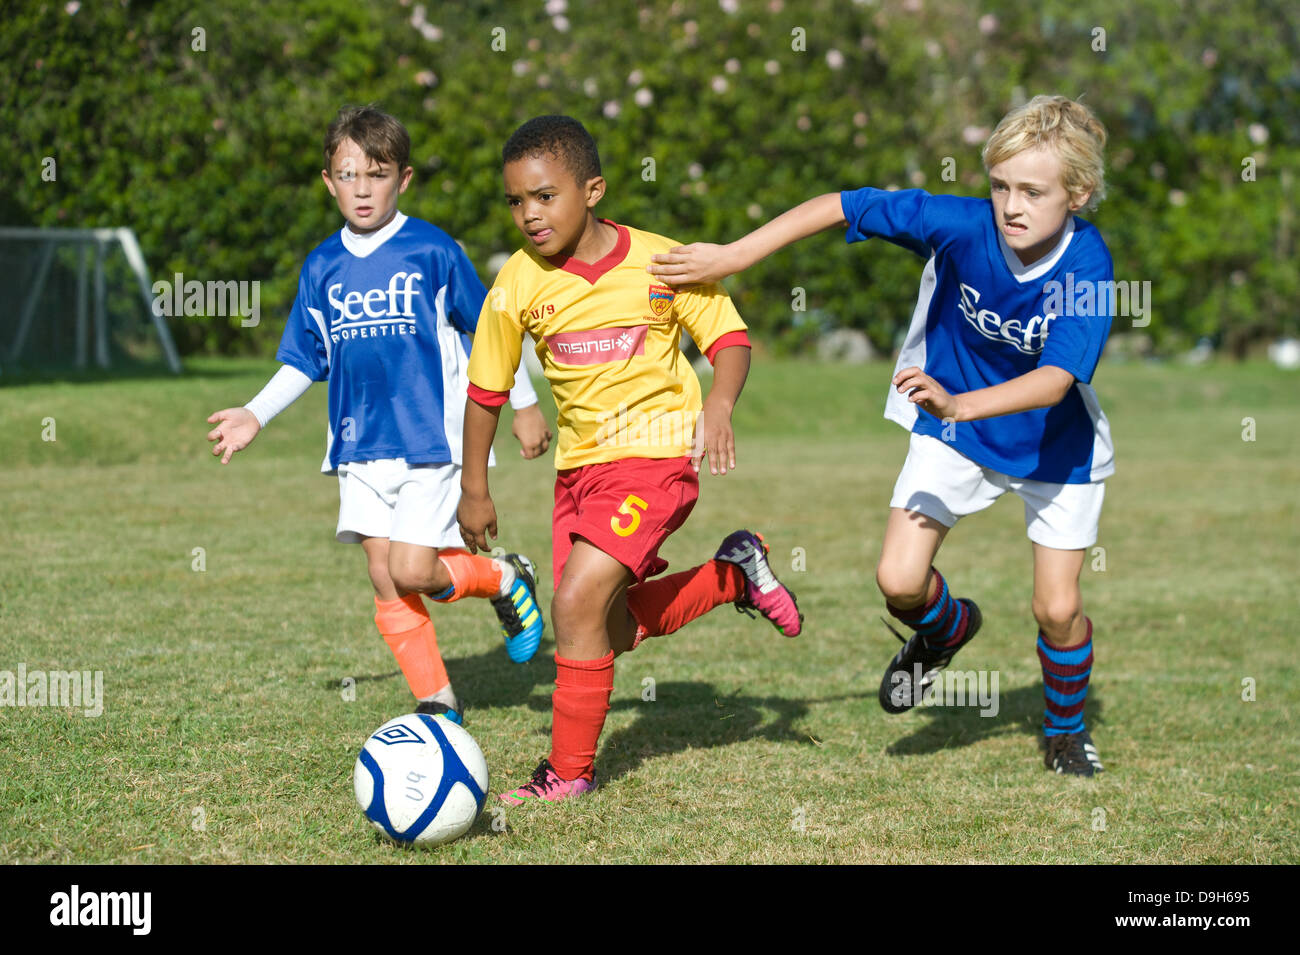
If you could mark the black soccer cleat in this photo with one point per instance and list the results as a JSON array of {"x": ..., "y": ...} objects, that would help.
[
  {"x": 1072, "y": 754},
  {"x": 434, "y": 708},
  {"x": 900, "y": 690}
]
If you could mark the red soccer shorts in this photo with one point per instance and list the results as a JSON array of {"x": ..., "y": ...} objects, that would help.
[{"x": 627, "y": 508}]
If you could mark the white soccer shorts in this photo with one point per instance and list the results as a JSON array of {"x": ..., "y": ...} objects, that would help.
[
  {"x": 944, "y": 484},
  {"x": 411, "y": 503}
]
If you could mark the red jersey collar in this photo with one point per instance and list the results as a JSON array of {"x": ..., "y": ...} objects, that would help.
[{"x": 591, "y": 271}]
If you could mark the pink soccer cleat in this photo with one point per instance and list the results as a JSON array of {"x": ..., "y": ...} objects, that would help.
[
  {"x": 546, "y": 786},
  {"x": 763, "y": 592}
]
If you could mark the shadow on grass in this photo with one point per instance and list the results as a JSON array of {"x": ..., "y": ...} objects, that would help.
[
  {"x": 1019, "y": 711},
  {"x": 686, "y": 716}
]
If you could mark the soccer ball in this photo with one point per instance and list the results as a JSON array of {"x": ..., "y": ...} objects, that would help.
[{"x": 421, "y": 779}]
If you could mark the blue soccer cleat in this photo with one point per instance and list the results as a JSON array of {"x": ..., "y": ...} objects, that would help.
[{"x": 520, "y": 614}]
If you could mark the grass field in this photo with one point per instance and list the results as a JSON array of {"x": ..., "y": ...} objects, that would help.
[{"x": 226, "y": 737}]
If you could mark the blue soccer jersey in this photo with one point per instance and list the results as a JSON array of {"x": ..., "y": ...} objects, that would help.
[
  {"x": 385, "y": 319},
  {"x": 983, "y": 318}
]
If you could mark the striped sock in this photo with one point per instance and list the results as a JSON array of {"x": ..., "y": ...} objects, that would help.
[
  {"x": 1065, "y": 683},
  {"x": 941, "y": 622}
]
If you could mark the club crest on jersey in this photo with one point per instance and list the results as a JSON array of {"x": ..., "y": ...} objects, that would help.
[{"x": 661, "y": 299}]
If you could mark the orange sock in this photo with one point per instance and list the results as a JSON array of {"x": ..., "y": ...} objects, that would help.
[
  {"x": 472, "y": 575},
  {"x": 581, "y": 700},
  {"x": 670, "y": 603},
  {"x": 406, "y": 628}
]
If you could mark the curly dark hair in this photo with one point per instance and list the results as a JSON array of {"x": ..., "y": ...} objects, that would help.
[{"x": 560, "y": 136}]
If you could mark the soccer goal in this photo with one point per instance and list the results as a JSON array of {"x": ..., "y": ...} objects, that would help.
[{"x": 52, "y": 314}]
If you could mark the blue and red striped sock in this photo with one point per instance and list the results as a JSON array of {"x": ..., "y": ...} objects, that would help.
[
  {"x": 941, "y": 622},
  {"x": 1065, "y": 683}
]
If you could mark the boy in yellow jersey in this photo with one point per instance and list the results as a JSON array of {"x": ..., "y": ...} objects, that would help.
[{"x": 630, "y": 444}]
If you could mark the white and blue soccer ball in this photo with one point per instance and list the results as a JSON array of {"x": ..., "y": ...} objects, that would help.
[{"x": 421, "y": 779}]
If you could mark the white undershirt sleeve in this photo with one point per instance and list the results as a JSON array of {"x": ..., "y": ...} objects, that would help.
[
  {"x": 522, "y": 394},
  {"x": 285, "y": 387}
]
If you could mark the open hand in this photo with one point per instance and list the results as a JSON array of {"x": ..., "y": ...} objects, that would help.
[
  {"x": 235, "y": 430},
  {"x": 714, "y": 439},
  {"x": 700, "y": 263}
]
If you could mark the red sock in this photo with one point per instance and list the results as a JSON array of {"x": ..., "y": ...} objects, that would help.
[
  {"x": 581, "y": 700},
  {"x": 472, "y": 575},
  {"x": 406, "y": 628},
  {"x": 670, "y": 603}
]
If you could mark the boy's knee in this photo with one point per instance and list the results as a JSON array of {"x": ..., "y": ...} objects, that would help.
[
  {"x": 426, "y": 576},
  {"x": 573, "y": 611},
  {"x": 1057, "y": 615},
  {"x": 902, "y": 588}
]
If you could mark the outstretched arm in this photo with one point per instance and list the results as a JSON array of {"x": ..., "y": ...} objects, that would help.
[
  {"x": 1044, "y": 387},
  {"x": 701, "y": 262}
]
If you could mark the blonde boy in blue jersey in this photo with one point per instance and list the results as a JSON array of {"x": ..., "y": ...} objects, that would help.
[{"x": 993, "y": 381}]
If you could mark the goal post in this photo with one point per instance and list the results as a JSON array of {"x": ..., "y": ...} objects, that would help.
[{"x": 38, "y": 299}]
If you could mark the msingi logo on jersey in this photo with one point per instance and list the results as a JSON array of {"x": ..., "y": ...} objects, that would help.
[
  {"x": 597, "y": 346},
  {"x": 661, "y": 300},
  {"x": 1028, "y": 337},
  {"x": 374, "y": 313}
]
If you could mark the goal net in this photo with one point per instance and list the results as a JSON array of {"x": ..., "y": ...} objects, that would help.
[{"x": 78, "y": 298}]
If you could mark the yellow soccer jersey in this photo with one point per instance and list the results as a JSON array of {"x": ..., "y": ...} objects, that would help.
[{"x": 609, "y": 339}]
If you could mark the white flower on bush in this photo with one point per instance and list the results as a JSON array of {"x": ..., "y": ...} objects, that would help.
[
  {"x": 729, "y": 6},
  {"x": 834, "y": 59},
  {"x": 560, "y": 23},
  {"x": 1258, "y": 133},
  {"x": 555, "y": 7},
  {"x": 719, "y": 84},
  {"x": 612, "y": 108},
  {"x": 771, "y": 67},
  {"x": 732, "y": 65},
  {"x": 988, "y": 23},
  {"x": 1177, "y": 197},
  {"x": 644, "y": 97},
  {"x": 695, "y": 170},
  {"x": 635, "y": 77},
  {"x": 426, "y": 78},
  {"x": 590, "y": 87}
]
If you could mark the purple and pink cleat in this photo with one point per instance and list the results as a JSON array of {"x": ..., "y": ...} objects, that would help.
[
  {"x": 763, "y": 592},
  {"x": 547, "y": 786}
]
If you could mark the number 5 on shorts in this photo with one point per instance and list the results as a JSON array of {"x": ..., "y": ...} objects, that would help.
[{"x": 628, "y": 507}]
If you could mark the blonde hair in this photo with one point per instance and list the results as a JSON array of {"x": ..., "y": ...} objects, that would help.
[{"x": 1063, "y": 125}]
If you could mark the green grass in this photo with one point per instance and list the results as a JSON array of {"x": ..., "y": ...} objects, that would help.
[{"x": 225, "y": 736}]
